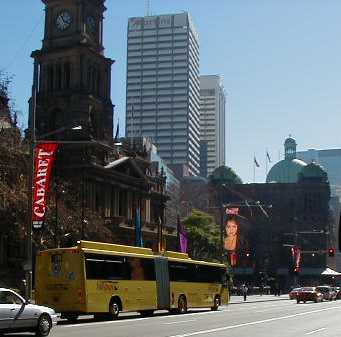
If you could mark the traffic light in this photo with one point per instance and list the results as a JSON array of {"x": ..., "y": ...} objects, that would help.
[{"x": 331, "y": 252}]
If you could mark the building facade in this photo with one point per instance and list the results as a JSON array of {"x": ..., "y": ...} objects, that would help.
[
  {"x": 73, "y": 88},
  {"x": 212, "y": 124},
  {"x": 272, "y": 218},
  {"x": 73, "y": 77},
  {"x": 330, "y": 160},
  {"x": 163, "y": 86}
]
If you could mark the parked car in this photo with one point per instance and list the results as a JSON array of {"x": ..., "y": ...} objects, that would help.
[
  {"x": 293, "y": 293},
  {"x": 309, "y": 294},
  {"x": 18, "y": 314},
  {"x": 328, "y": 292}
]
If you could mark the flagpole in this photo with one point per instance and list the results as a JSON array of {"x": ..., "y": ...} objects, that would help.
[
  {"x": 254, "y": 168},
  {"x": 266, "y": 163}
]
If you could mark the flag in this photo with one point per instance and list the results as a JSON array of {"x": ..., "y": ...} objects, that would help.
[
  {"x": 182, "y": 236},
  {"x": 43, "y": 162},
  {"x": 255, "y": 161},
  {"x": 138, "y": 228},
  {"x": 268, "y": 156}
]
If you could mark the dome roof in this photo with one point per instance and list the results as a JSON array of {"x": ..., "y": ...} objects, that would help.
[
  {"x": 313, "y": 171},
  {"x": 290, "y": 141},
  {"x": 285, "y": 171}
]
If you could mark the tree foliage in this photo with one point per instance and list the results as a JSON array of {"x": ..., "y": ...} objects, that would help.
[
  {"x": 63, "y": 224},
  {"x": 203, "y": 236},
  {"x": 224, "y": 175}
]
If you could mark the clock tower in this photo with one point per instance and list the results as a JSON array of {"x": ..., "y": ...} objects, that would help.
[{"x": 74, "y": 76}]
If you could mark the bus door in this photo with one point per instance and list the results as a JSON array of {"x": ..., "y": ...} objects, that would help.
[{"x": 162, "y": 282}]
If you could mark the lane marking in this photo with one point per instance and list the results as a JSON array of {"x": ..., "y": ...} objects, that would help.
[
  {"x": 190, "y": 320},
  {"x": 222, "y": 310},
  {"x": 204, "y": 332},
  {"x": 314, "y": 331}
]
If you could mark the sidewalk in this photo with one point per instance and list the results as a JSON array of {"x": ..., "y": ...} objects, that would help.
[{"x": 236, "y": 299}]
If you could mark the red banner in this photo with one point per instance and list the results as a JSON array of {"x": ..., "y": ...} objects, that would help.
[{"x": 43, "y": 162}]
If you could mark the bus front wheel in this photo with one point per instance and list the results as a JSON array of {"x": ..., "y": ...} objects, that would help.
[
  {"x": 114, "y": 308},
  {"x": 182, "y": 305}
]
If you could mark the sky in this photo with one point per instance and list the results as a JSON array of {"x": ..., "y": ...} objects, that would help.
[{"x": 280, "y": 63}]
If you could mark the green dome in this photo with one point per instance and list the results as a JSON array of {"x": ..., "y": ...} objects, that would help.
[
  {"x": 313, "y": 171},
  {"x": 285, "y": 171},
  {"x": 290, "y": 142}
]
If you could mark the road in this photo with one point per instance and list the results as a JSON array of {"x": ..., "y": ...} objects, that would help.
[{"x": 254, "y": 318}]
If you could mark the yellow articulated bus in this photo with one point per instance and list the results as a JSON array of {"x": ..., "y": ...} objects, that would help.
[{"x": 104, "y": 279}]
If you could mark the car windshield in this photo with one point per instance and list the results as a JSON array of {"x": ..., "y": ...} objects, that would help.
[
  {"x": 308, "y": 289},
  {"x": 296, "y": 289}
]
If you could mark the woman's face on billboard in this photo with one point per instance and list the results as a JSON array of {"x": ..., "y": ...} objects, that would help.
[{"x": 231, "y": 228}]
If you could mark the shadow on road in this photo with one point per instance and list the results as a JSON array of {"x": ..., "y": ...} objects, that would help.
[{"x": 127, "y": 316}]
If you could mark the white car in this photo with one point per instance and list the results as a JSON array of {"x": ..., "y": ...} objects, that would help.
[{"x": 17, "y": 314}]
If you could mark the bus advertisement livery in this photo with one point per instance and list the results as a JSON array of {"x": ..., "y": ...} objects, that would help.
[{"x": 104, "y": 279}]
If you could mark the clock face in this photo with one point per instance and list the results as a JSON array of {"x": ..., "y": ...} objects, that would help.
[
  {"x": 91, "y": 23},
  {"x": 63, "y": 20}
]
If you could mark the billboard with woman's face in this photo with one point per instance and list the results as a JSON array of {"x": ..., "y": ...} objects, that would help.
[{"x": 236, "y": 243}]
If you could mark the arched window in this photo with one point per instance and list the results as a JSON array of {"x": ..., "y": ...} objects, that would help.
[
  {"x": 50, "y": 78},
  {"x": 56, "y": 119},
  {"x": 67, "y": 75},
  {"x": 89, "y": 81},
  {"x": 58, "y": 76},
  {"x": 98, "y": 79},
  {"x": 93, "y": 79}
]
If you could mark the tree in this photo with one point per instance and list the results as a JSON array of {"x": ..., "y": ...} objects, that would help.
[
  {"x": 203, "y": 236},
  {"x": 224, "y": 175}
]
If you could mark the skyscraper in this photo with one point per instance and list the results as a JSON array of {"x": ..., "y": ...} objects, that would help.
[
  {"x": 212, "y": 124},
  {"x": 163, "y": 87}
]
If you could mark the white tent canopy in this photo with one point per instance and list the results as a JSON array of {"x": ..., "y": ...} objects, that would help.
[{"x": 330, "y": 272}]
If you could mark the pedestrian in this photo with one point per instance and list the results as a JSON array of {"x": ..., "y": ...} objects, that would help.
[
  {"x": 277, "y": 289},
  {"x": 244, "y": 290},
  {"x": 261, "y": 289}
]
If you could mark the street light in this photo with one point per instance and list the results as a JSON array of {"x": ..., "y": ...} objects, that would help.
[{"x": 28, "y": 267}]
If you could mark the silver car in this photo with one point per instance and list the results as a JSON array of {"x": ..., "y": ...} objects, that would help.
[{"x": 17, "y": 314}]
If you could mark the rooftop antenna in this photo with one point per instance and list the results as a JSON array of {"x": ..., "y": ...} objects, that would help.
[{"x": 147, "y": 8}]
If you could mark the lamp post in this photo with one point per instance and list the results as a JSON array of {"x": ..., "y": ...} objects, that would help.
[
  {"x": 32, "y": 140},
  {"x": 28, "y": 265}
]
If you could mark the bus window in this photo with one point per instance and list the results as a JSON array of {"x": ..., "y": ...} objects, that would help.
[
  {"x": 182, "y": 272},
  {"x": 105, "y": 267},
  {"x": 141, "y": 269},
  {"x": 209, "y": 274}
]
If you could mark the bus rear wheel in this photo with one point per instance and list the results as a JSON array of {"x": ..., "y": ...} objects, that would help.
[
  {"x": 114, "y": 309},
  {"x": 216, "y": 304},
  {"x": 182, "y": 305}
]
